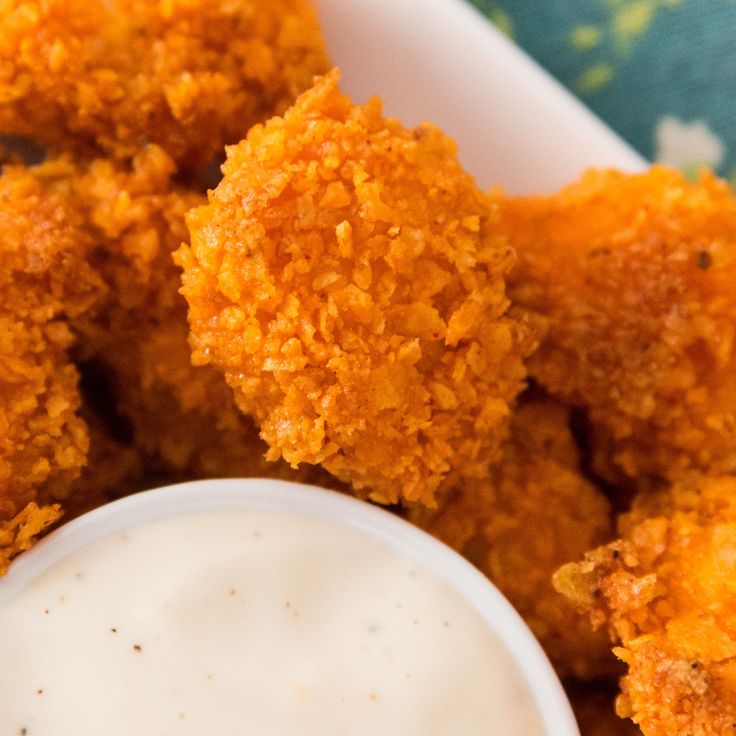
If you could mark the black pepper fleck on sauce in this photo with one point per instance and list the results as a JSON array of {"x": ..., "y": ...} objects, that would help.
[
  {"x": 704, "y": 260},
  {"x": 615, "y": 554},
  {"x": 114, "y": 630}
]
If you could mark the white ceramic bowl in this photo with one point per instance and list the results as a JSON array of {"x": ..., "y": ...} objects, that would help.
[
  {"x": 442, "y": 61},
  {"x": 317, "y": 503}
]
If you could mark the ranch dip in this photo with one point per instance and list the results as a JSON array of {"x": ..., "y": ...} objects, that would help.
[{"x": 258, "y": 623}]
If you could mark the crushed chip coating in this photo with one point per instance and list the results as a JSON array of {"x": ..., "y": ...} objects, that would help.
[
  {"x": 535, "y": 512},
  {"x": 19, "y": 533},
  {"x": 635, "y": 276},
  {"x": 43, "y": 281},
  {"x": 190, "y": 75},
  {"x": 184, "y": 420},
  {"x": 667, "y": 592},
  {"x": 347, "y": 279}
]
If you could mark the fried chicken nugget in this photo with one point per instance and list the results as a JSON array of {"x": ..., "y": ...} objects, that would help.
[
  {"x": 190, "y": 75},
  {"x": 43, "y": 282},
  {"x": 635, "y": 276},
  {"x": 347, "y": 280},
  {"x": 532, "y": 514},
  {"x": 183, "y": 418},
  {"x": 667, "y": 591}
]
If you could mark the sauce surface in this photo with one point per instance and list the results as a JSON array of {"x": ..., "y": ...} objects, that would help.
[{"x": 251, "y": 622}]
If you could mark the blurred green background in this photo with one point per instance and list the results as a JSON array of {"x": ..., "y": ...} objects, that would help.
[{"x": 661, "y": 72}]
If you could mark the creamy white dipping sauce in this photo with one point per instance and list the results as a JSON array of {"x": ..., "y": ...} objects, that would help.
[{"x": 257, "y": 623}]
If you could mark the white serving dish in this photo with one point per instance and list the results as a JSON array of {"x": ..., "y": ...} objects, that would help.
[{"x": 442, "y": 61}]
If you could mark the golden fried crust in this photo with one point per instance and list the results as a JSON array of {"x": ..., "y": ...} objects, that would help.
[
  {"x": 347, "y": 280},
  {"x": 184, "y": 420},
  {"x": 190, "y": 75},
  {"x": 532, "y": 514},
  {"x": 636, "y": 279},
  {"x": 667, "y": 591},
  {"x": 20, "y": 533},
  {"x": 43, "y": 281}
]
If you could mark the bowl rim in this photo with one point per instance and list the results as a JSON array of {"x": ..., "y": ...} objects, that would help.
[
  {"x": 444, "y": 61},
  {"x": 263, "y": 494}
]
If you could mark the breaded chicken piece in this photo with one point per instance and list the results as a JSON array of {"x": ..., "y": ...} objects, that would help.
[
  {"x": 667, "y": 592},
  {"x": 183, "y": 418},
  {"x": 43, "y": 282},
  {"x": 635, "y": 276},
  {"x": 347, "y": 279},
  {"x": 189, "y": 75},
  {"x": 534, "y": 512}
]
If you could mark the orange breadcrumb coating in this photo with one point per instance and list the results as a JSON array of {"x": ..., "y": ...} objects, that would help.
[
  {"x": 636, "y": 278},
  {"x": 534, "y": 512},
  {"x": 43, "y": 281},
  {"x": 184, "y": 419},
  {"x": 190, "y": 75},
  {"x": 20, "y": 533},
  {"x": 347, "y": 279},
  {"x": 667, "y": 591}
]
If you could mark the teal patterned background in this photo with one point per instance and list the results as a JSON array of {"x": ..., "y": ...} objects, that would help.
[{"x": 661, "y": 72}]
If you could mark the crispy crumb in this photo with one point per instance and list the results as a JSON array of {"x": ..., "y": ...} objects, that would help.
[
  {"x": 184, "y": 420},
  {"x": 19, "y": 533},
  {"x": 44, "y": 281},
  {"x": 189, "y": 75}
]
